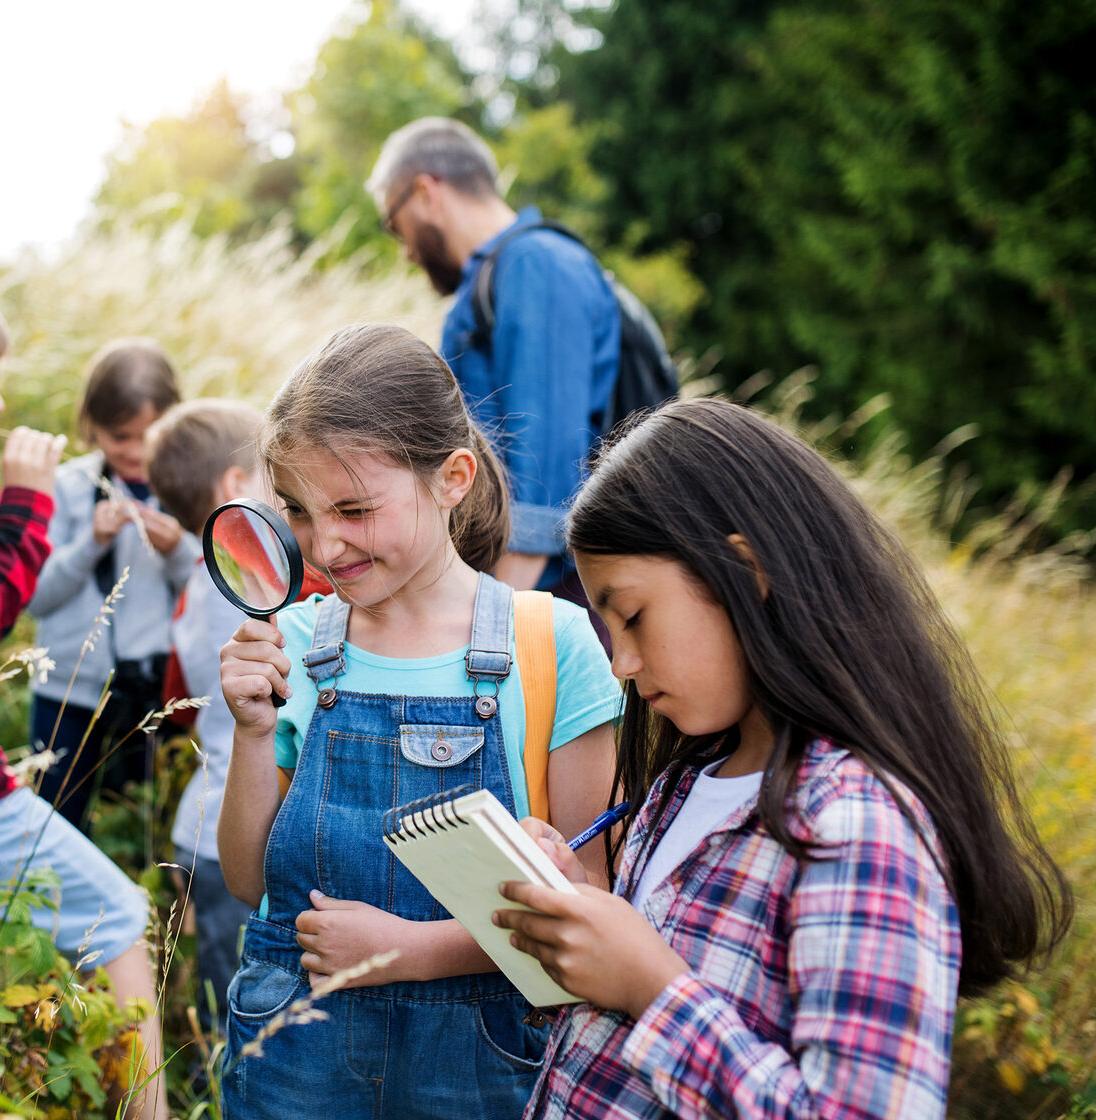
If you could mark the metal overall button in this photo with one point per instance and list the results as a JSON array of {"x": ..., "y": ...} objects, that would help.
[
  {"x": 442, "y": 749},
  {"x": 327, "y": 698},
  {"x": 486, "y": 706},
  {"x": 535, "y": 1018}
]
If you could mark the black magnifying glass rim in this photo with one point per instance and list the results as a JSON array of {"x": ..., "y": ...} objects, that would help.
[{"x": 285, "y": 538}]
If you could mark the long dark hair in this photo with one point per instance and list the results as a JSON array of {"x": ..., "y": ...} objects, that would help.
[
  {"x": 378, "y": 388},
  {"x": 848, "y": 644}
]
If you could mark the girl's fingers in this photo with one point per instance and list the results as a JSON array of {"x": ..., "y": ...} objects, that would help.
[
  {"x": 525, "y": 924},
  {"x": 252, "y": 687},
  {"x": 533, "y": 948},
  {"x": 257, "y": 653},
  {"x": 257, "y": 670},
  {"x": 258, "y": 630},
  {"x": 541, "y": 830},
  {"x": 545, "y": 899},
  {"x": 311, "y": 963}
]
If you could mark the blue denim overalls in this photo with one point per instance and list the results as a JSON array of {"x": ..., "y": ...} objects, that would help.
[{"x": 457, "y": 1047}]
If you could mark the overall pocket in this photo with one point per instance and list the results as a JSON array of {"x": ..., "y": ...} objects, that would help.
[
  {"x": 259, "y": 990},
  {"x": 440, "y": 746},
  {"x": 501, "y": 1023},
  {"x": 259, "y": 1086}
]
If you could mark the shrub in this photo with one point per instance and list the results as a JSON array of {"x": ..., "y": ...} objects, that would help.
[{"x": 66, "y": 1047}]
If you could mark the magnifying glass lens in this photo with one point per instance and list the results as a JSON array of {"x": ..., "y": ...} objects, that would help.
[{"x": 251, "y": 559}]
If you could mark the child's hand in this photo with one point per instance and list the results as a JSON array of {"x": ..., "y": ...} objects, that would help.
[
  {"x": 107, "y": 520},
  {"x": 594, "y": 944},
  {"x": 31, "y": 458},
  {"x": 552, "y": 841},
  {"x": 164, "y": 532},
  {"x": 253, "y": 667},
  {"x": 339, "y": 934}
]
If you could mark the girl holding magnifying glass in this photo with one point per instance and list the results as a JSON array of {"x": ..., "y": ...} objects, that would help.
[{"x": 400, "y": 684}]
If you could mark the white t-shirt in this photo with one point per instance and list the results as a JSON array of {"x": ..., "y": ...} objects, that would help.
[{"x": 709, "y": 803}]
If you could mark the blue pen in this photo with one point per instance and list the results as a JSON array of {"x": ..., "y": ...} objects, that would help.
[{"x": 606, "y": 820}]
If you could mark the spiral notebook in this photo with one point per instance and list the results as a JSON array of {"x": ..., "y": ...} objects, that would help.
[{"x": 461, "y": 844}]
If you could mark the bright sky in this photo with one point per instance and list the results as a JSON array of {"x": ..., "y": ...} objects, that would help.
[{"x": 72, "y": 70}]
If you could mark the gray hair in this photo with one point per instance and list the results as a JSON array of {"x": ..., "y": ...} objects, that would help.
[{"x": 436, "y": 146}]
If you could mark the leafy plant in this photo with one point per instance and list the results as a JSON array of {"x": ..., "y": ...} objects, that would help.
[{"x": 66, "y": 1047}]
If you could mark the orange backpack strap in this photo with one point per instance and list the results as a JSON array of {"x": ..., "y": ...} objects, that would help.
[{"x": 535, "y": 645}]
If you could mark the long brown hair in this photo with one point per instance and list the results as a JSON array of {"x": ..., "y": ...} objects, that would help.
[
  {"x": 849, "y": 644},
  {"x": 379, "y": 389}
]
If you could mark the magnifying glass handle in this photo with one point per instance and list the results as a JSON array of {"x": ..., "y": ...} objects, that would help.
[{"x": 275, "y": 699}]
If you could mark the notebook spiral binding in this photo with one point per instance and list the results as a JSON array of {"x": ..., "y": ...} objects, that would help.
[{"x": 424, "y": 816}]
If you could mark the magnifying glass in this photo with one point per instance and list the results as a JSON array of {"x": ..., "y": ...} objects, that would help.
[{"x": 253, "y": 559}]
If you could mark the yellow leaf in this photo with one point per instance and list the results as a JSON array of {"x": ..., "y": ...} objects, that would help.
[
  {"x": 1027, "y": 1003},
  {"x": 19, "y": 995},
  {"x": 1011, "y": 1075}
]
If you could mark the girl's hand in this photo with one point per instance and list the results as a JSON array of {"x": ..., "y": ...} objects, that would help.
[
  {"x": 594, "y": 944},
  {"x": 107, "y": 520},
  {"x": 164, "y": 532},
  {"x": 338, "y": 934},
  {"x": 552, "y": 841},
  {"x": 253, "y": 667}
]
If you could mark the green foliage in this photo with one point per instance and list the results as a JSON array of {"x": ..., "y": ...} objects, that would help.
[
  {"x": 205, "y": 166},
  {"x": 381, "y": 72},
  {"x": 66, "y": 1047},
  {"x": 897, "y": 193}
]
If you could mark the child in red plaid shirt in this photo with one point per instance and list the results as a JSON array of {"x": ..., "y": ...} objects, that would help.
[
  {"x": 826, "y": 847},
  {"x": 99, "y": 908}
]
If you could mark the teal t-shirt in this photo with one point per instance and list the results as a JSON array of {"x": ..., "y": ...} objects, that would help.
[{"x": 587, "y": 693}]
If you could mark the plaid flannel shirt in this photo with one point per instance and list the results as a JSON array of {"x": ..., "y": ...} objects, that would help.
[
  {"x": 24, "y": 519},
  {"x": 823, "y": 989}
]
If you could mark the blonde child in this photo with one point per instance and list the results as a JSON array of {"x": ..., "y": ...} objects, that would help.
[
  {"x": 201, "y": 454},
  {"x": 401, "y": 684},
  {"x": 98, "y": 529},
  {"x": 826, "y": 848}
]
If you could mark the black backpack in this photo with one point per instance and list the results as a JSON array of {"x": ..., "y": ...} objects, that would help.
[{"x": 646, "y": 376}]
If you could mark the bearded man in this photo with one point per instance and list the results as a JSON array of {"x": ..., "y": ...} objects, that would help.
[{"x": 540, "y": 377}]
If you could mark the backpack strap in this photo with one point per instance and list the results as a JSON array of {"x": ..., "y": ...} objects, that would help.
[
  {"x": 483, "y": 292},
  {"x": 535, "y": 646}
]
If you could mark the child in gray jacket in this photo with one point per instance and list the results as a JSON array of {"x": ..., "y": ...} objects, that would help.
[{"x": 105, "y": 522}]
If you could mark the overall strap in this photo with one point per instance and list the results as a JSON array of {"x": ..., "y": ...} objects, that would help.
[
  {"x": 326, "y": 658},
  {"x": 488, "y": 659}
]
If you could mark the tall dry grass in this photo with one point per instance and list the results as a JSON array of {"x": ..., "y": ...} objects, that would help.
[{"x": 236, "y": 320}]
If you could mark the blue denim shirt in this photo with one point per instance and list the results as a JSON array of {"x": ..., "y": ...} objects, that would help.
[{"x": 542, "y": 389}]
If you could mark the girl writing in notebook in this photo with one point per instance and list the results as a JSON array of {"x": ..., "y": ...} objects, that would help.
[
  {"x": 401, "y": 684},
  {"x": 827, "y": 847}
]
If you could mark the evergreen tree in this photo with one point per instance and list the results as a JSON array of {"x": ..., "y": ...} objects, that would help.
[{"x": 900, "y": 193}]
